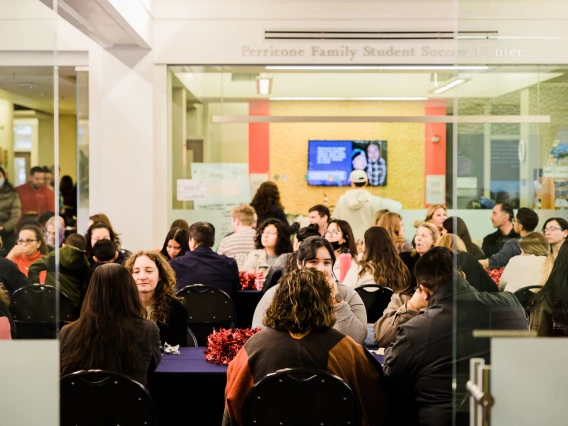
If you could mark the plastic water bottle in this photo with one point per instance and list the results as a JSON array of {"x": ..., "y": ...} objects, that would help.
[{"x": 344, "y": 265}]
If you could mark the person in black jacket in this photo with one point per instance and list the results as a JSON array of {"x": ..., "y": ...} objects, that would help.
[
  {"x": 11, "y": 276},
  {"x": 267, "y": 205},
  {"x": 6, "y": 320},
  {"x": 419, "y": 367},
  {"x": 475, "y": 274},
  {"x": 456, "y": 225},
  {"x": 156, "y": 282}
]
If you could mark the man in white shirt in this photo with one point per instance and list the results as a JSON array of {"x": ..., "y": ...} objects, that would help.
[
  {"x": 357, "y": 206},
  {"x": 241, "y": 242}
]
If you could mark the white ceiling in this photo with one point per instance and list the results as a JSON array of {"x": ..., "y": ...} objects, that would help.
[{"x": 217, "y": 85}]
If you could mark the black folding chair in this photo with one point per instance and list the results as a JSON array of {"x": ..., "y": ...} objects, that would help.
[
  {"x": 301, "y": 396},
  {"x": 104, "y": 398},
  {"x": 40, "y": 311},
  {"x": 191, "y": 339},
  {"x": 376, "y": 299},
  {"x": 208, "y": 308},
  {"x": 526, "y": 294}
]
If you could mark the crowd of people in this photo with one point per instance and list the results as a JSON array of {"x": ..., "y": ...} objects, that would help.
[{"x": 310, "y": 311}]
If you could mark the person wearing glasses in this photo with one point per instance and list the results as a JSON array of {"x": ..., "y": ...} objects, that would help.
[
  {"x": 31, "y": 247},
  {"x": 524, "y": 223},
  {"x": 272, "y": 239},
  {"x": 555, "y": 230}
]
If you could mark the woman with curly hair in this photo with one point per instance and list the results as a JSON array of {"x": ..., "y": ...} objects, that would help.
[
  {"x": 272, "y": 239},
  {"x": 380, "y": 263},
  {"x": 267, "y": 205},
  {"x": 176, "y": 244},
  {"x": 299, "y": 333},
  {"x": 156, "y": 283},
  {"x": 112, "y": 332}
]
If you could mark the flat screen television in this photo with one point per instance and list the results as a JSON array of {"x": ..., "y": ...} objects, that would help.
[{"x": 330, "y": 162}]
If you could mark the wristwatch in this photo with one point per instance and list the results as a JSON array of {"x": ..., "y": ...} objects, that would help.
[{"x": 338, "y": 298}]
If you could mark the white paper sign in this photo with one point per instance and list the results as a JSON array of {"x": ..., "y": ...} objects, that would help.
[
  {"x": 191, "y": 189},
  {"x": 555, "y": 171},
  {"x": 435, "y": 189}
]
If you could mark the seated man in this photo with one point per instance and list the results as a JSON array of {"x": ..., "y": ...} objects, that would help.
[
  {"x": 320, "y": 214},
  {"x": 502, "y": 219},
  {"x": 201, "y": 265},
  {"x": 419, "y": 366},
  {"x": 523, "y": 224},
  {"x": 300, "y": 333},
  {"x": 73, "y": 269},
  {"x": 240, "y": 243}
]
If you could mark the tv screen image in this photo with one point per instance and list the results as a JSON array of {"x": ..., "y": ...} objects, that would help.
[{"x": 330, "y": 162}]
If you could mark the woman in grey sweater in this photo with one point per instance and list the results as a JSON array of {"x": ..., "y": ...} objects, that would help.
[{"x": 351, "y": 316}]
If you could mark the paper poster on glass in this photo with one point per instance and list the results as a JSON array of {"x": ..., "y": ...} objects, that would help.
[{"x": 330, "y": 162}]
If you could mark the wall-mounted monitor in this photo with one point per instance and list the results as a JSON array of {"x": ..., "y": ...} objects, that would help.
[{"x": 330, "y": 162}]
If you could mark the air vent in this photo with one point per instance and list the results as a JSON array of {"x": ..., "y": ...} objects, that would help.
[
  {"x": 378, "y": 35},
  {"x": 243, "y": 77}
]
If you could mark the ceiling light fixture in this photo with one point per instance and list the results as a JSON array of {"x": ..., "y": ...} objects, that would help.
[
  {"x": 350, "y": 98},
  {"x": 263, "y": 85},
  {"x": 449, "y": 85},
  {"x": 377, "y": 67}
]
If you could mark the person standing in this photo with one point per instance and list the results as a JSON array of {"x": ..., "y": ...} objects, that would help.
[
  {"x": 502, "y": 219},
  {"x": 10, "y": 211},
  {"x": 357, "y": 206},
  {"x": 35, "y": 197},
  {"x": 376, "y": 166},
  {"x": 267, "y": 205}
]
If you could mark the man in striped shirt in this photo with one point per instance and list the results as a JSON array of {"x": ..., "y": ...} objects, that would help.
[{"x": 241, "y": 242}]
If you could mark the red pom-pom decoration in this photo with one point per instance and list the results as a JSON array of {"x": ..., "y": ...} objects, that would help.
[
  {"x": 495, "y": 275},
  {"x": 251, "y": 280},
  {"x": 224, "y": 344}
]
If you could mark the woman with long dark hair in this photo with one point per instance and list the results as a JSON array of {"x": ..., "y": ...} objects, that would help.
[
  {"x": 455, "y": 225},
  {"x": 272, "y": 239},
  {"x": 340, "y": 236},
  {"x": 350, "y": 313},
  {"x": 176, "y": 244},
  {"x": 268, "y": 205},
  {"x": 380, "y": 263},
  {"x": 112, "y": 332},
  {"x": 549, "y": 308},
  {"x": 100, "y": 231},
  {"x": 555, "y": 230},
  {"x": 10, "y": 212},
  {"x": 156, "y": 283}
]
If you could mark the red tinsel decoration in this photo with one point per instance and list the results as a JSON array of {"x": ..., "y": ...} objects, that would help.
[
  {"x": 495, "y": 275},
  {"x": 223, "y": 344},
  {"x": 251, "y": 280}
]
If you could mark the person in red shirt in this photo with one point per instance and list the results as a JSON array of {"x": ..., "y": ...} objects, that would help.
[
  {"x": 35, "y": 197},
  {"x": 31, "y": 247}
]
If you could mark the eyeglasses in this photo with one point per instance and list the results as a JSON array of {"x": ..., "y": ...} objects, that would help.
[
  {"x": 269, "y": 233},
  {"x": 334, "y": 232},
  {"x": 552, "y": 229},
  {"x": 27, "y": 241}
]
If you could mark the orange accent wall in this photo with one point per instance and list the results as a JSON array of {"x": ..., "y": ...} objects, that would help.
[
  {"x": 259, "y": 139},
  {"x": 434, "y": 153}
]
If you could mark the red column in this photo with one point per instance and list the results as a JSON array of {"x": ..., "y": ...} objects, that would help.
[
  {"x": 435, "y": 152},
  {"x": 259, "y": 138}
]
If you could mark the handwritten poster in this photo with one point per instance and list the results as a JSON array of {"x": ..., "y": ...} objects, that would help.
[{"x": 191, "y": 189}]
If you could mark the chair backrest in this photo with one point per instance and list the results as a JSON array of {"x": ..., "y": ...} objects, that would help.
[
  {"x": 526, "y": 294},
  {"x": 376, "y": 299},
  {"x": 191, "y": 339},
  {"x": 40, "y": 310},
  {"x": 315, "y": 396},
  {"x": 98, "y": 397},
  {"x": 208, "y": 308}
]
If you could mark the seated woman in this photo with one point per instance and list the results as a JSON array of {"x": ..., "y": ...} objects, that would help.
[
  {"x": 112, "y": 332},
  {"x": 401, "y": 307},
  {"x": 101, "y": 231},
  {"x": 555, "y": 230},
  {"x": 475, "y": 274},
  {"x": 436, "y": 215},
  {"x": 272, "y": 239},
  {"x": 549, "y": 308},
  {"x": 380, "y": 263},
  {"x": 176, "y": 244},
  {"x": 7, "y": 324},
  {"x": 49, "y": 231},
  {"x": 394, "y": 225},
  {"x": 340, "y": 235},
  {"x": 280, "y": 266},
  {"x": 300, "y": 333},
  {"x": 156, "y": 283},
  {"x": 350, "y": 313},
  {"x": 455, "y": 225},
  {"x": 31, "y": 247},
  {"x": 531, "y": 267},
  {"x": 101, "y": 217}
]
